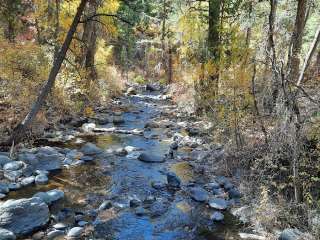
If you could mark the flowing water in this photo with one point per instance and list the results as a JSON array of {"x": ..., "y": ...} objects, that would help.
[{"x": 119, "y": 177}]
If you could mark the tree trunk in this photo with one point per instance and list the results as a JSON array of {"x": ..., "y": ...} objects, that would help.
[
  {"x": 271, "y": 54},
  {"x": 213, "y": 34},
  {"x": 294, "y": 62},
  {"x": 292, "y": 106},
  {"x": 21, "y": 128},
  {"x": 89, "y": 41},
  {"x": 57, "y": 28},
  {"x": 214, "y": 42},
  {"x": 309, "y": 56},
  {"x": 170, "y": 67},
  {"x": 91, "y": 52}
]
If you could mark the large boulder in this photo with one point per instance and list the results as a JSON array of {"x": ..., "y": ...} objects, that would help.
[
  {"x": 24, "y": 215},
  {"x": 49, "y": 162}
]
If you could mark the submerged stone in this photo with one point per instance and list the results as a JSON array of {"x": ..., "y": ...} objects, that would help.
[{"x": 144, "y": 157}]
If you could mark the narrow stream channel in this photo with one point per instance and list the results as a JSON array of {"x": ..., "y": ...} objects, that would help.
[{"x": 120, "y": 178}]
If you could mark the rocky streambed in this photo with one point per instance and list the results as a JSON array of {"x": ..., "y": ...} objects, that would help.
[{"x": 131, "y": 172}]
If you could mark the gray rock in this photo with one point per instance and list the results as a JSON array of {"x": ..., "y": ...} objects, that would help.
[
  {"x": 157, "y": 209},
  {"x": 174, "y": 145},
  {"x": 199, "y": 194},
  {"x": 77, "y": 163},
  {"x": 41, "y": 179},
  {"x": 173, "y": 180},
  {"x": 2, "y": 195},
  {"x": 130, "y": 149},
  {"x": 4, "y": 160},
  {"x": 27, "y": 171},
  {"x": 222, "y": 180},
  {"x": 38, "y": 235},
  {"x": 140, "y": 211},
  {"x": 228, "y": 186},
  {"x": 90, "y": 149},
  {"x": 102, "y": 120},
  {"x": 28, "y": 158},
  {"x": 42, "y": 172},
  {"x": 13, "y": 166},
  {"x": 4, "y": 188},
  {"x": 50, "y": 196},
  {"x": 217, "y": 191},
  {"x": 144, "y": 157},
  {"x": 49, "y": 162},
  {"x": 55, "y": 195},
  {"x": 13, "y": 175},
  {"x": 82, "y": 223},
  {"x": 134, "y": 203},
  {"x": 105, "y": 205},
  {"x": 131, "y": 91},
  {"x": 121, "y": 152},
  {"x": 14, "y": 186},
  {"x": 24, "y": 215},
  {"x": 6, "y": 234},
  {"x": 212, "y": 185},
  {"x": 251, "y": 236},
  {"x": 27, "y": 181},
  {"x": 217, "y": 217},
  {"x": 234, "y": 193},
  {"x": 218, "y": 203},
  {"x": 290, "y": 234},
  {"x": 60, "y": 226},
  {"x": 75, "y": 232},
  {"x": 88, "y": 127},
  {"x": 48, "y": 150},
  {"x": 54, "y": 234},
  {"x": 67, "y": 161},
  {"x": 151, "y": 125},
  {"x": 78, "y": 217}
]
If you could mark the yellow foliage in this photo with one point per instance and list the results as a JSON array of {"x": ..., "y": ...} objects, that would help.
[{"x": 88, "y": 112}]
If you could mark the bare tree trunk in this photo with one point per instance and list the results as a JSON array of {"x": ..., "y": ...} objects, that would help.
[
  {"x": 21, "y": 128},
  {"x": 294, "y": 62},
  {"x": 56, "y": 28},
  {"x": 170, "y": 67},
  {"x": 91, "y": 52},
  {"x": 309, "y": 56},
  {"x": 293, "y": 108},
  {"x": 89, "y": 41},
  {"x": 248, "y": 34}
]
